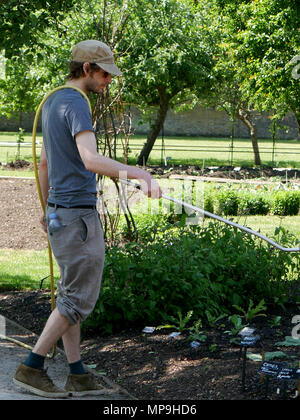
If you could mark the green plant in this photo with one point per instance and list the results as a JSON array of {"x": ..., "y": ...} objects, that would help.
[
  {"x": 187, "y": 269},
  {"x": 195, "y": 333},
  {"x": 20, "y": 140},
  {"x": 180, "y": 323},
  {"x": 213, "y": 348},
  {"x": 212, "y": 319},
  {"x": 252, "y": 311},
  {"x": 238, "y": 325},
  {"x": 252, "y": 203},
  {"x": 285, "y": 203},
  {"x": 275, "y": 321},
  {"x": 228, "y": 202},
  {"x": 289, "y": 341}
]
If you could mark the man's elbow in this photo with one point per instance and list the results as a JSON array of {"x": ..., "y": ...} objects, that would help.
[
  {"x": 43, "y": 166},
  {"x": 89, "y": 164}
]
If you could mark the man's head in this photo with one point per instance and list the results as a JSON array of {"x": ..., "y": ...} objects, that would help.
[{"x": 93, "y": 60}]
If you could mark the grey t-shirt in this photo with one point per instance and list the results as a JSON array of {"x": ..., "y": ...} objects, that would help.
[{"x": 65, "y": 114}]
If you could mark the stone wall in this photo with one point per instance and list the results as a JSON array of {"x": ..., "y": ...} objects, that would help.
[
  {"x": 198, "y": 122},
  {"x": 208, "y": 122}
]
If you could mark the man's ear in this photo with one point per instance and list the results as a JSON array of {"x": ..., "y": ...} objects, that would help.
[{"x": 86, "y": 68}]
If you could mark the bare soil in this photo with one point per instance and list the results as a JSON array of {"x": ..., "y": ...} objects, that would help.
[{"x": 150, "y": 366}]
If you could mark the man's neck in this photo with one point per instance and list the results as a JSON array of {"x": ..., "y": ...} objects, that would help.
[{"x": 79, "y": 83}]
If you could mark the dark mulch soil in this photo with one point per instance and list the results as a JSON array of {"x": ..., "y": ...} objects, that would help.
[
  {"x": 150, "y": 366},
  {"x": 157, "y": 367}
]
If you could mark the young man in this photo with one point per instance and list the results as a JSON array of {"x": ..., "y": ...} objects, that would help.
[{"x": 68, "y": 164}]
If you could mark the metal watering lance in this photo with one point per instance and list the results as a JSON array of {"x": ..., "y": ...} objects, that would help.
[
  {"x": 164, "y": 196},
  {"x": 220, "y": 219}
]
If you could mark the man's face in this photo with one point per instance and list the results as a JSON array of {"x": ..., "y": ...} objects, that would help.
[{"x": 97, "y": 81}]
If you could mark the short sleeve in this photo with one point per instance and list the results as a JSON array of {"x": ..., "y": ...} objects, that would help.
[{"x": 78, "y": 117}]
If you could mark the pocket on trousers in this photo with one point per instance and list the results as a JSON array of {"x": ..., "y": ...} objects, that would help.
[{"x": 89, "y": 226}]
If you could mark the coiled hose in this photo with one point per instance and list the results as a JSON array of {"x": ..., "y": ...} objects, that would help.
[{"x": 35, "y": 123}]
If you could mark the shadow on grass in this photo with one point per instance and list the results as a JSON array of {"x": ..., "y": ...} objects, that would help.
[{"x": 22, "y": 282}]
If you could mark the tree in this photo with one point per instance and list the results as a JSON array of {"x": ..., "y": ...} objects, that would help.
[
  {"x": 22, "y": 23},
  {"x": 168, "y": 56},
  {"x": 263, "y": 37}
]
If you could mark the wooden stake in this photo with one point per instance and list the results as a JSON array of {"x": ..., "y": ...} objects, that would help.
[{"x": 263, "y": 359}]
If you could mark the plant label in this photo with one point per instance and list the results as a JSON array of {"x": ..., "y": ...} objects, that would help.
[
  {"x": 174, "y": 334},
  {"x": 247, "y": 331},
  {"x": 271, "y": 369},
  {"x": 249, "y": 340},
  {"x": 288, "y": 374},
  {"x": 149, "y": 330}
]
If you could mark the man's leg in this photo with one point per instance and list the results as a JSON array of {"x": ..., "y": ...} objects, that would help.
[
  {"x": 30, "y": 374},
  {"x": 55, "y": 328},
  {"x": 71, "y": 341}
]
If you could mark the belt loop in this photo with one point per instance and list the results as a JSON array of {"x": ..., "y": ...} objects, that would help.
[{"x": 55, "y": 207}]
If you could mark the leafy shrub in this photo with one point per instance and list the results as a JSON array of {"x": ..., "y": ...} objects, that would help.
[
  {"x": 228, "y": 202},
  {"x": 286, "y": 203},
  {"x": 253, "y": 203},
  {"x": 209, "y": 203},
  {"x": 199, "y": 269}
]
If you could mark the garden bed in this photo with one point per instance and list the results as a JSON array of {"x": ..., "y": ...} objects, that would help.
[
  {"x": 149, "y": 366},
  {"x": 157, "y": 367}
]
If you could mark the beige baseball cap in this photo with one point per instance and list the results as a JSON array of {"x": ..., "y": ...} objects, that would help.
[{"x": 94, "y": 51}]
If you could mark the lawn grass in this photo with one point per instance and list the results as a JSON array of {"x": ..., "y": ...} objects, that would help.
[
  {"x": 267, "y": 224},
  {"x": 24, "y": 269},
  {"x": 183, "y": 151}
]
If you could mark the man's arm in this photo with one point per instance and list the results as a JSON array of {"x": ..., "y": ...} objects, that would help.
[
  {"x": 43, "y": 177},
  {"x": 93, "y": 161}
]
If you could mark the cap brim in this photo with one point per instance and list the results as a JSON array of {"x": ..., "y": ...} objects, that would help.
[{"x": 110, "y": 68}]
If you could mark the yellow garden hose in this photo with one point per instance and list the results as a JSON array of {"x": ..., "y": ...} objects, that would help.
[{"x": 36, "y": 119}]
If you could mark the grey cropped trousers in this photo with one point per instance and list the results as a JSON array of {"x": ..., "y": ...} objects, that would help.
[{"x": 79, "y": 249}]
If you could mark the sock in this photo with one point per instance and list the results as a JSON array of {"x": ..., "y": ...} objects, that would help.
[
  {"x": 77, "y": 368},
  {"x": 35, "y": 361}
]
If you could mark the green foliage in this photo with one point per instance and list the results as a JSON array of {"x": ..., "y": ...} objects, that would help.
[
  {"x": 252, "y": 311},
  {"x": 22, "y": 23},
  {"x": 169, "y": 50},
  {"x": 228, "y": 203},
  {"x": 238, "y": 325},
  {"x": 180, "y": 323},
  {"x": 197, "y": 269},
  {"x": 261, "y": 38},
  {"x": 195, "y": 334},
  {"x": 289, "y": 341},
  {"x": 286, "y": 203},
  {"x": 252, "y": 204},
  {"x": 20, "y": 140},
  {"x": 233, "y": 202}
]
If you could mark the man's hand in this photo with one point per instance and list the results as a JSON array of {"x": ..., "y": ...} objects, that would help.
[
  {"x": 150, "y": 187},
  {"x": 43, "y": 223}
]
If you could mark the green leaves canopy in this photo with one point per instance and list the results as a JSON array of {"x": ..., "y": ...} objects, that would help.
[
  {"x": 21, "y": 23},
  {"x": 168, "y": 49},
  {"x": 261, "y": 38}
]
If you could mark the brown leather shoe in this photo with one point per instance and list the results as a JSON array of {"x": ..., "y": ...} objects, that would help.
[
  {"x": 79, "y": 385},
  {"x": 38, "y": 382}
]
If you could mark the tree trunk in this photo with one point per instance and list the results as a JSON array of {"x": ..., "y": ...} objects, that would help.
[
  {"x": 155, "y": 127},
  {"x": 245, "y": 117},
  {"x": 297, "y": 115}
]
